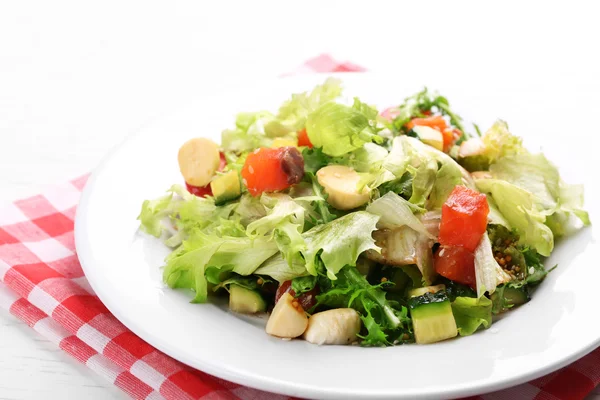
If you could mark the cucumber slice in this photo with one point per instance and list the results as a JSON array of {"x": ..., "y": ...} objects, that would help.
[
  {"x": 226, "y": 187},
  {"x": 427, "y": 289},
  {"x": 506, "y": 297},
  {"x": 245, "y": 301},
  {"x": 515, "y": 296},
  {"x": 431, "y": 314}
]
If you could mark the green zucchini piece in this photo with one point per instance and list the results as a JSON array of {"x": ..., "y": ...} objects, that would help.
[
  {"x": 245, "y": 301},
  {"x": 226, "y": 187},
  {"x": 431, "y": 314}
]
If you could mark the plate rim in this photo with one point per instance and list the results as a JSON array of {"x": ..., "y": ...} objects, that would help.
[{"x": 261, "y": 382}]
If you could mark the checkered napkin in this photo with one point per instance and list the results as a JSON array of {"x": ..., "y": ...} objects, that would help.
[{"x": 44, "y": 286}]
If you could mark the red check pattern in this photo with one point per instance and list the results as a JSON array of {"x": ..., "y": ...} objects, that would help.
[{"x": 44, "y": 286}]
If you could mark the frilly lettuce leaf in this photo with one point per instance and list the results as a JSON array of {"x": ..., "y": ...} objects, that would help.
[
  {"x": 339, "y": 129},
  {"x": 423, "y": 182},
  {"x": 248, "y": 134},
  {"x": 446, "y": 179},
  {"x": 499, "y": 142},
  {"x": 293, "y": 113},
  {"x": 408, "y": 154},
  {"x": 339, "y": 242},
  {"x": 284, "y": 221},
  {"x": 250, "y": 209},
  {"x": 186, "y": 211},
  {"x": 152, "y": 214},
  {"x": 281, "y": 269},
  {"x": 280, "y": 207},
  {"x": 368, "y": 162},
  {"x": 519, "y": 208},
  {"x": 471, "y": 313},
  {"x": 396, "y": 212},
  {"x": 384, "y": 320},
  {"x": 186, "y": 267},
  {"x": 535, "y": 174}
]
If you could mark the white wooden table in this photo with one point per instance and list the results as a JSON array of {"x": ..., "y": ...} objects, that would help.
[{"x": 77, "y": 77}]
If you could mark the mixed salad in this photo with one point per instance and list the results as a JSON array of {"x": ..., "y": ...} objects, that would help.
[{"x": 354, "y": 226}]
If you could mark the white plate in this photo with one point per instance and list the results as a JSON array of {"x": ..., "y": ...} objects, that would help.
[{"x": 559, "y": 325}]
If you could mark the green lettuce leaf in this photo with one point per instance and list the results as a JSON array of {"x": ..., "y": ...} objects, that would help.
[
  {"x": 368, "y": 162},
  {"x": 284, "y": 221},
  {"x": 396, "y": 212},
  {"x": 248, "y": 134},
  {"x": 339, "y": 242},
  {"x": 446, "y": 179},
  {"x": 304, "y": 284},
  {"x": 152, "y": 214},
  {"x": 282, "y": 270},
  {"x": 420, "y": 103},
  {"x": 535, "y": 174},
  {"x": 185, "y": 211},
  {"x": 471, "y": 313},
  {"x": 519, "y": 208},
  {"x": 280, "y": 207},
  {"x": 250, "y": 209},
  {"x": 495, "y": 217},
  {"x": 423, "y": 182},
  {"x": 186, "y": 267},
  {"x": 339, "y": 129},
  {"x": 499, "y": 142},
  {"x": 399, "y": 157},
  {"x": 293, "y": 113},
  {"x": 384, "y": 320}
]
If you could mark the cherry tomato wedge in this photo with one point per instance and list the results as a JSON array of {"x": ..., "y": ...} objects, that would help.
[
  {"x": 307, "y": 300},
  {"x": 303, "y": 139},
  {"x": 269, "y": 170},
  {"x": 464, "y": 218},
  {"x": 455, "y": 263},
  {"x": 203, "y": 191}
]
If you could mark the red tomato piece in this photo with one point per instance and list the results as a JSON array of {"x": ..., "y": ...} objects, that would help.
[
  {"x": 455, "y": 263},
  {"x": 203, "y": 191},
  {"x": 269, "y": 170},
  {"x": 223, "y": 161},
  {"x": 450, "y": 136},
  {"x": 464, "y": 218},
  {"x": 307, "y": 300},
  {"x": 435, "y": 122},
  {"x": 303, "y": 139},
  {"x": 200, "y": 191}
]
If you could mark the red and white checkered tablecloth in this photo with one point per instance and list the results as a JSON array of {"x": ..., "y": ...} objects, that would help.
[{"x": 44, "y": 286}]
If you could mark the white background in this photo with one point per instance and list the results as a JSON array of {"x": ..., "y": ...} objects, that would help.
[{"x": 77, "y": 77}]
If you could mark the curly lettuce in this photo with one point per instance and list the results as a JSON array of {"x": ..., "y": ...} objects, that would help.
[
  {"x": 339, "y": 242},
  {"x": 471, "y": 314},
  {"x": 293, "y": 113},
  {"x": 339, "y": 129}
]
